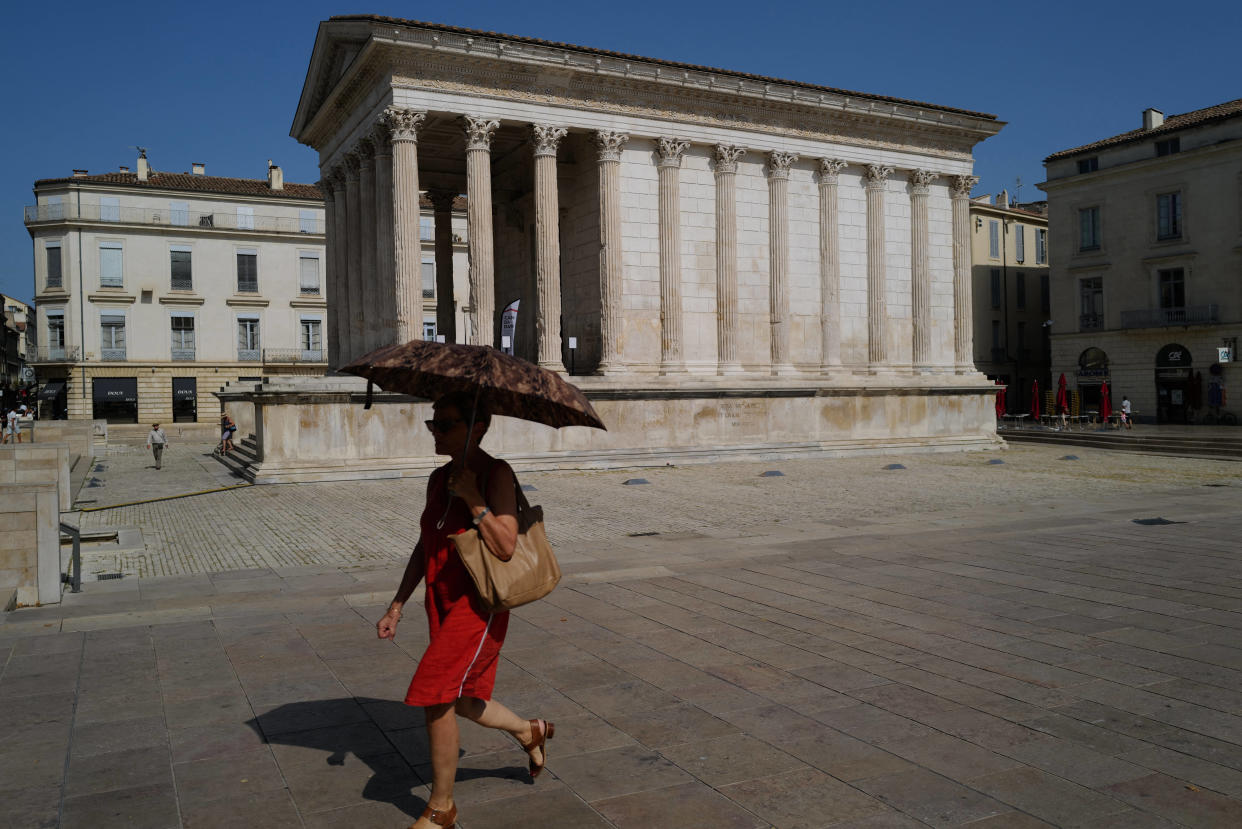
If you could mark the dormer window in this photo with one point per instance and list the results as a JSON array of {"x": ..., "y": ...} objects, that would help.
[
  {"x": 1168, "y": 146},
  {"x": 1088, "y": 165}
]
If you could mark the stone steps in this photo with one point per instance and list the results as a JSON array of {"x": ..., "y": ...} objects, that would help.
[{"x": 1216, "y": 446}]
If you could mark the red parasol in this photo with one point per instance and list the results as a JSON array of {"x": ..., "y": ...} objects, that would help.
[
  {"x": 1035, "y": 400},
  {"x": 1106, "y": 405},
  {"x": 1000, "y": 400},
  {"x": 1062, "y": 396}
]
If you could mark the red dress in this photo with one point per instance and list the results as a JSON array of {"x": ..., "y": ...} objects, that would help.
[{"x": 460, "y": 660}]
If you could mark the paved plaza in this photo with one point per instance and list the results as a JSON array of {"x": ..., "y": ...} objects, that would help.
[{"x": 957, "y": 642}]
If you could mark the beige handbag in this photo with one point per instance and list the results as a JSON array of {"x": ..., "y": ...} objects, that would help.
[{"x": 530, "y": 574}]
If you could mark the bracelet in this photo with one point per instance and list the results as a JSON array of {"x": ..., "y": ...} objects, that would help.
[
  {"x": 399, "y": 613},
  {"x": 479, "y": 517}
]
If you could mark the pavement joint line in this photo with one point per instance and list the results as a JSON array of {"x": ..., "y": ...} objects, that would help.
[{"x": 164, "y": 498}]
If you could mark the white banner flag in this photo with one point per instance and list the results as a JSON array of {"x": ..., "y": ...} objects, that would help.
[{"x": 508, "y": 326}]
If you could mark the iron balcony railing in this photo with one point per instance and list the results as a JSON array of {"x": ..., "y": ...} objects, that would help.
[
  {"x": 57, "y": 354},
  {"x": 179, "y": 283},
  {"x": 116, "y": 355},
  {"x": 249, "y": 355},
  {"x": 1090, "y": 322},
  {"x": 218, "y": 220},
  {"x": 1156, "y": 317},
  {"x": 183, "y": 354},
  {"x": 294, "y": 355}
]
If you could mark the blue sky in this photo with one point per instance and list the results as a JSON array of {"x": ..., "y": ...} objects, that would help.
[{"x": 218, "y": 82}]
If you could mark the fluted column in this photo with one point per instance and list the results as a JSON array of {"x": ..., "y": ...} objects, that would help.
[
  {"x": 403, "y": 126},
  {"x": 547, "y": 246},
  {"x": 610, "y": 264},
  {"x": 829, "y": 265},
  {"x": 385, "y": 266},
  {"x": 778, "y": 259},
  {"x": 442, "y": 211},
  {"x": 670, "y": 151},
  {"x": 727, "y": 156},
  {"x": 920, "y": 268},
  {"x": 371, "y": 323},
  {"x": 331, "y": 339},
  {"x": 339, "y": 312},
  {"x": 877, "y": 181},
  {"x": 479, "y": 133},
  {"x": 353, "y": 231},
  {"x": 963, "y": 312}
]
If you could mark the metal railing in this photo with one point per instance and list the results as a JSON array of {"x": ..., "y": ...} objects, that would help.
[
  {"x": 1090, "y": 322},
  {"x": 74, "y": 577},
  {"x": 1156, "y": 317},
  {"x": 57, "y": 354},
  {"x": 219, "y": 220},
  {"x": 112, "y": 354},
  {"x": 179, "y": 283},
  {"x": 294, "y": 355},
  {"x": 249, "y": 355},
  {"x": 183, "y": 354}
]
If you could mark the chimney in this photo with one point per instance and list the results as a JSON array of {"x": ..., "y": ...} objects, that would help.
[
  {"x": 144, "y": 167},
  {"x": 275, "y": 178},
  {"x": 1002, "y": 200},
  {"x": 124, "y": 169},
  {"x": 198, "y": 168},
  {"x": 1152, "y": 118},
  {"x": 79, "y": 173}
]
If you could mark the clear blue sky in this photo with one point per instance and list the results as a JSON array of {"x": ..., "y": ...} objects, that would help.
[{"x": 218, "y": 82}]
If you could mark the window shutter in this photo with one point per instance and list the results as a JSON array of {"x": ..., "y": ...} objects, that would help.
[
  {"x": 308, "y": 275},
  {"x": 111, "y": 265}
]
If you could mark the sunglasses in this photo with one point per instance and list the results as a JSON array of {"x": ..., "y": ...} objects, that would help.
[{"x": 443, "y": 424}]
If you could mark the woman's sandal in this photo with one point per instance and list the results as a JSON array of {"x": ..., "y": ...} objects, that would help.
[
  {"x": 540, "y": 732},
  {"x": 439, "y": 817}
]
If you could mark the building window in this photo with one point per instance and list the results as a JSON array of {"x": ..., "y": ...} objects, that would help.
[
  {"x": 994, "y": 239},
  {"x": 182, "y": 280},
  {"x": 1045, "y": 294},
  {"x": 996, "y": 288},
  {"x": 1041, "y": 246},
  {"x": 179, "y": 213},
  {"x": 1022, "y": 355},
  {"x": 247, "y": 272},
  {"x": 56, "y": 335},
  {"x": 429, "y": 330},
  {"x": 1088, "y": 165},
  {"x": 1089, "y": 228},
  {"x": 1169, "y": 216},
  {"x": 1020, "y": 288},
  {"x": 1168, "y": 146},
  {"x": 55, "y": 275},
  {"x": 112, "y": 336},
  {"x": 426, "y": 228},
  {"x": 248, "y": 339},
  {"x": 1172, "y": 288},
  {"x": 429, "y": 279},
  {"x": 111, "y": 265},
  {"x": 183, "y": 337},
  {"x": 308, "y": 274},
  {"x": 1019, "y": 242},
  {"x": 245, "y": 218},
  {"x": 1091, "y": 296},
  {"x": 312, "y": 339},
  {"x": 109, "y": 209},
  {"x": 998, "y": 349},
  {"x": 307, "y": 222}
]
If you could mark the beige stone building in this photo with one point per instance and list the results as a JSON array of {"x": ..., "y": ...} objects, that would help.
[
  {"x": 15, "y": 316},
  {"x": 1146, "y": 264},
  {"x": 1009, "y": 268}
]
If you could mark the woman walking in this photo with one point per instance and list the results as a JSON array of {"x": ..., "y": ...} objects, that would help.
[{"x": 456, "y": 675}]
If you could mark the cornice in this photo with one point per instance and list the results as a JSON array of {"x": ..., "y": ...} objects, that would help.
[
  {"x": 247, "y": 301},
  {"x": 187, "y": 300},
  {"x": 308, "y": 303},
  {"x": 110, "y": 298},
  {"x": 54, "y": 295}
]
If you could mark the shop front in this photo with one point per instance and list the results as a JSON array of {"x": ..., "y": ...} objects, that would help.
[
  {"x": 1093, "y": 373},
  {"x": 185, "y": 399},
  {"x": 115, "y": 399},
  {"x": 1173, "y": 384}
]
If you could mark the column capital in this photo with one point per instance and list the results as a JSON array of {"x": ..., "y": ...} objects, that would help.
[
  {"x": 334, "y": 177},
  {"x": 381, "y": 135},
  {"x": 365, "y": 149},
  {"x": 402, "y": 124},
  {"x": 921, "y": 181},
  {"x": 670, "y": 151},
  {"x": 830, "y": 168},
  {"x": 877, "y": 175},
  {"x": 727, "y": 156},
  {"x": 779, "y": 163},
  {"x": 547, "y": 138},
  {"x": 962, "y": 185},
  {"x": 441, "y": 200},
  {"x": 479, "y": 131},
  {"x": 610, "y": 143},
  {"x": 352, "y": 162},
  {"x": 325, "y": 187}
]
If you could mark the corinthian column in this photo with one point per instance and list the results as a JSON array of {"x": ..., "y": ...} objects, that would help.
[
  {"x": 371, "y": 322},
  {"x": 963, "y": 319},
  {"x": 353, "y": 230},
  {"x": 778, "y": 259},
  {"x": 385, "y": 268},
  {"x": 479, "y": 226},
  {"x": 726, "y": 258},
  {"x": 610, "y": 265},
  {"x": 547, "y": 246},
  {"x": 331, "y": 339},
  {"x": 442, "y": 210},
  {"x": 877, "y": 351},
  {"x": 670, "y": 151},
  {"x": 829, "y": 265},
  {"x": 338, "y": 264},
  {"x": 920, "y": 268},
  {"x": 403, "y": 126}
]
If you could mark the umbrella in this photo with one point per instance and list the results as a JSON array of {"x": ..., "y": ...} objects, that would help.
[
  {"x": 1035, "y": 400},
  {"x": 1000, "y": 400},
  {"x": 1106, "y": 405},
  {"x": 509, "y": 385},
  {"x": 1062, "y": 396}
]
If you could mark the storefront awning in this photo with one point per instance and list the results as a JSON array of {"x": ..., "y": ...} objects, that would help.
[
  {"x": 52, "y": 390},
  {"x": 115, "y": 389}
]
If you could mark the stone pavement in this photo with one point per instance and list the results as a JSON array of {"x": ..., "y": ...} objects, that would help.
[{"x": 953, "y": 644}]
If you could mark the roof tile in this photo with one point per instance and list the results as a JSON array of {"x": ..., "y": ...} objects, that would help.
[
  {"x": 1173, "y": 123},
  {"x": 197, "y": 183}
]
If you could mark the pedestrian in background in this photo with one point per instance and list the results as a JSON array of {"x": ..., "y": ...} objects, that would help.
[
  {"x": 227, "y": 429},
  {"x": 1125, "y": 412},
  {"x": 156, "y": 442},
  {"x": 12, "y": 429}
]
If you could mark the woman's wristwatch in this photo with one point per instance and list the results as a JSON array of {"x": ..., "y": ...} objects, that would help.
[{"x": 479, "y": 517}]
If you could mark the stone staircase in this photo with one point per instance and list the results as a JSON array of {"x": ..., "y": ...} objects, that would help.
[
  {"x": 1222, "y": 443},
  {"x": 242, "y": 458}
]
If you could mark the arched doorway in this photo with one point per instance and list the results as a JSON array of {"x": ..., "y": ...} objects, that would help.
[
  {"x": 1173, "y": 376},
  {"x": 1092, "y": 373}
]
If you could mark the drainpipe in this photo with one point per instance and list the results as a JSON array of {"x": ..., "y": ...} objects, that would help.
[{"x": 81, "y": 309}]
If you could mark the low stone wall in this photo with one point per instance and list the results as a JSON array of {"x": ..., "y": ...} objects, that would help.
[
  {"x": 83, "y": 436},
  {"x": 36, "y": 462},
  {"x": 30, "y": 541}
]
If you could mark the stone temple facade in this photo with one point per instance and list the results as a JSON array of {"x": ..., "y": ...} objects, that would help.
[{"x": 743, "y": 263}]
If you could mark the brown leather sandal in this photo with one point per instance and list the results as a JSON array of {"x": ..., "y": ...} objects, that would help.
[
  {"x": 540, "y": 732},
  {"x": 439, "y": 817}
]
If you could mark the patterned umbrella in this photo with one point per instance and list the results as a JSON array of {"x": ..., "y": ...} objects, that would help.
[
  {"x": 1106, "y": 405},
  {"x": 509, "y": 385},
  {"x": 1062, "y": 396},
  {"x": 1035, "y": 400}
]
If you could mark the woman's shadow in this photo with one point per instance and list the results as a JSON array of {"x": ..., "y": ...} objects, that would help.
[{"x": 388, "y": 736}]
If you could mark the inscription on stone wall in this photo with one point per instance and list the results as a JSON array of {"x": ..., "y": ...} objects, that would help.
[{"x": 737, "y": 412}]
